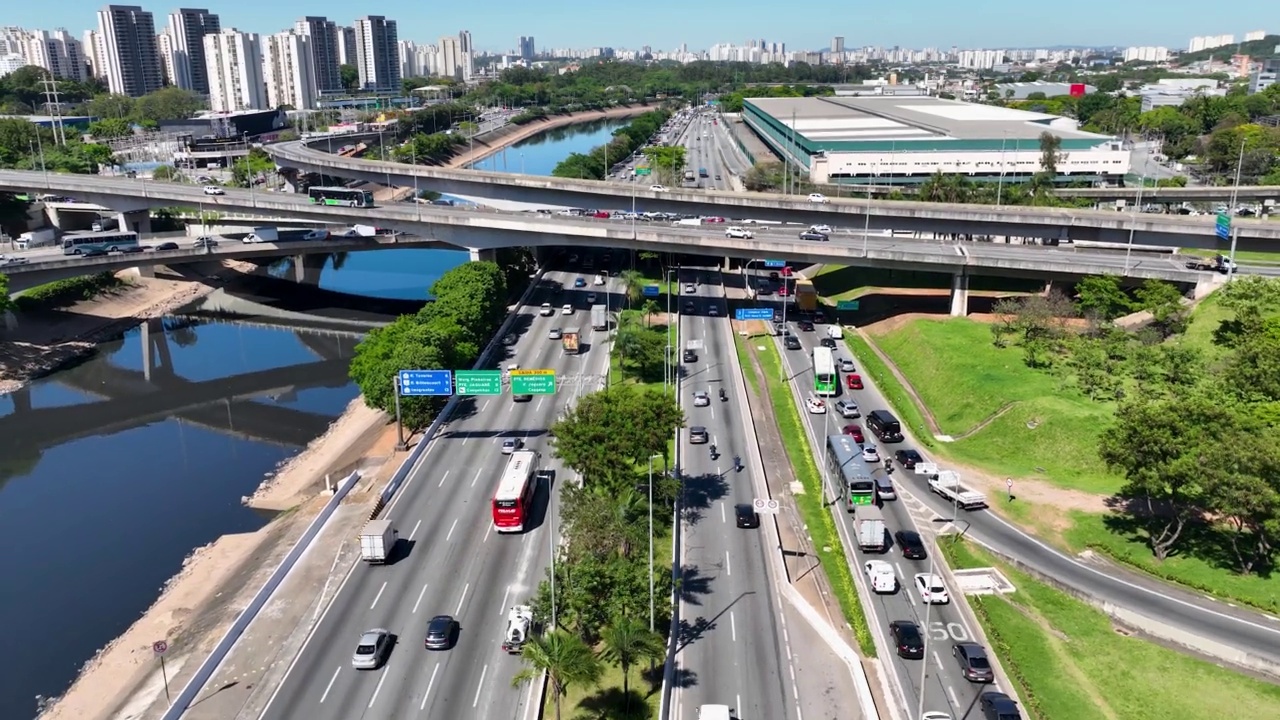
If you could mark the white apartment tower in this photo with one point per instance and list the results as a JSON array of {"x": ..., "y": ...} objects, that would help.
[
  {"x": 168, "y": 57},
  {"x": 57, "y": 52},
  {"x": 467, "y": 56},
  {"x": 95, "y": 53},
  {"x": 13, "y": 41},
  {"x": 187, "y": 28},
  {"x": 233, "y": 60},
  {"x": 347, "y": 46},
  {"x": 377, "y": 54},
  {"x": 407, "y": 55},
  {"x": 131, "y": 61},
  {"x": 322, "y": 36},
  {"x": 289, "y": 70}
]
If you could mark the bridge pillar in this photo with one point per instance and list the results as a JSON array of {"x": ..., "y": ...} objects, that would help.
[
  {"x": 161, "y": 341},
  {"x": 147, "y": 271},
  {"x": 145, "y": 336},
  {"x": 138, "y": 221},
  {"x": 307, "y": 268},
  {"x": 22, "y": 399},
  {"x": 10, "y": 320},
  {"x": 289, "y": 179},
  {"x": 482, "y": 255},
  {"x": 960, "y": 294}
]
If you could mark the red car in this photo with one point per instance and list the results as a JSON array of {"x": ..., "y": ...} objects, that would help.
[
  {"x": 853, "y": 381},
  {"x": 602, "y": 214},
  {"x": 782, "y": 291},
  {"x": 854, "y": 432}
]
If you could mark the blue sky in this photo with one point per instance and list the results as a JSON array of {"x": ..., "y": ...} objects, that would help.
[{"x": 496, "y": 24}]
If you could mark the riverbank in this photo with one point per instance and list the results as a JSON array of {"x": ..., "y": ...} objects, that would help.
[{"x": 512, "y": 134}]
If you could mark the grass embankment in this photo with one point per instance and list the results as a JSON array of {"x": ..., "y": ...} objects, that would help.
[
  {"x": 1070, "y": 664},
  {"x": 1246, "y": 257},
  {"x": 817, "y": 518},
  {"x": 64, "y": 293},
  {"x": 847, "y": 282}
]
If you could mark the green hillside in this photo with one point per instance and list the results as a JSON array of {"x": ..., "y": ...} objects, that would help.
[{"x": 1255, "y": 49}]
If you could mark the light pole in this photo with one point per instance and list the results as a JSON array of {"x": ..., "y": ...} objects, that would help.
[
  {"x": 1133, "y": 225},
  {"x": 666, "y": 373},
  {"x": 651, "y": 605},
  {"x": 1000, "y": 182},
  {"x": 866, "y": 225},
  {"x": 551, "y": 545}
]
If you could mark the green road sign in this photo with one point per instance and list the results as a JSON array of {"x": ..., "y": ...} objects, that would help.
[
  {"x": 478, "y": 382},
  {"x": 847, "y": 305},
  {"x": 533, "y": 382},
  {"x": 643, "y": 171}
]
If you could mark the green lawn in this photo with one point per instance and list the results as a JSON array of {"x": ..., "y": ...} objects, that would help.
[
  {"x": 1247, "y": 257},
  {"x": 1070, "y": 664},
  {"x": 1047, "y": 431},
  {"x": 1208, "y": 314},
  {"x": 605, "y": 700}
]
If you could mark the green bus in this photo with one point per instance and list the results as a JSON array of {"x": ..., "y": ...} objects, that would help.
[
  {"x": 340, "y": 196},
  {"x": 96, "y": 243},
  {"x": 825, "y": 380},
  {"x": 844, "y": 459}
]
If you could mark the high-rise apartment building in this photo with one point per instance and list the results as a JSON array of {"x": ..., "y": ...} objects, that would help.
[
  {"x": 187, "y": 28},
  {"x": 450, "y": 64},
  {"x": 346, "y": 46},
  {"x": 168, "y": 57},
  {"x": 95, "y": 53},
  {"x": 57, "y": 52},
  {"x": 837, "y": 45},
  {"x": 1146, "y": 54},
  {"x": 527, "y": 50},
  {"x": 129, "y": 50},
  {"x": 407, "y": 56},
  {"x": 234, "y": 63},
  {"x": 377, "y": 58},
  {"x": 322, "y": 35},
  {"x": 288, "y": 69},
  {"x": 466, "y": 57},
  {"x": 14, "y": 41},
  {"x": 1253, "y": 35},
  {"x": 1210, "y": 42}
]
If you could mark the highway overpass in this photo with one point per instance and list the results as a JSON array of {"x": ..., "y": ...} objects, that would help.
[{"x": 1198, "y": 194}]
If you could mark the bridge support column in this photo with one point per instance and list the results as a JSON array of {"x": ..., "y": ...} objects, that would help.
[
  {"x": 307, "y": 268},
  {"x": 727, "y": 265},
  {"x": 161, "y": 341},
  {"x": 145, "y": 336},
  {"x": 10, "y": 320},
  {"x": 481, "y": 255},
  {"x": 289, "y": 178},
  {"x": 960, "y": 294},
  {"x": 138, "y": 221},
  {"x": 22, "y": 399},
  {"x": 147, "y": 271}
]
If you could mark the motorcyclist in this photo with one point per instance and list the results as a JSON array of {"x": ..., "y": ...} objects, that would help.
[
  {"x": 723, "y": 395},
  {"x": 888, "y": 465},
  {"x": 737, "y": 463},
  {"x": 713, "y": 451}
]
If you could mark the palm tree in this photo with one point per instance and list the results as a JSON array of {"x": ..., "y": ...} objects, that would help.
[
  {"x": 627, "y": 642},
  {"x": 566, "y": 660},
  {"x": 649, "y": 308},
  {"x": 632, "y": 285}
]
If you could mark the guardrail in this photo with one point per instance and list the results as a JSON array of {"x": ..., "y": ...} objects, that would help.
[{"x": 677, "y": 542}]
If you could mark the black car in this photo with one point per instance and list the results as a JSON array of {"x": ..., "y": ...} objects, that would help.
[
  {"x": 805, "y": 326},
  {"x": 791, "y": 342},
  {"x": 440, "y": 632},
  {"x": 828, "y": 343},
  {"x": 908, "y": 458},
  {"x": 814, "y": 235},
  {"x": 998, "y": 706},
  {"x": 690, "y": 356},
  {"x": 132, "y": 249},
  {"x": 746, "y": 515},
  {"x": 907, "y": 639},
  {"x": 910, "y": 544},
  {"x": 166, "y": 246},
  {"x": 974, "y": 664}
]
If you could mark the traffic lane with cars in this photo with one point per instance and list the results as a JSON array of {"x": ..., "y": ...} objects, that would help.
[
  {"x": 944, "y": 686},
  {"x": 733, "y": 644},
  {"x": 702, "y": 153},
  {"x": 443, "y": 514}
]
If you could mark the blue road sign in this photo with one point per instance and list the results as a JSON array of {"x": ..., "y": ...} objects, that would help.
[
  {"x": 775, "y": 263},
  {"x": 418, "y": 383},
  {"x": 652, "y": 291},
  {"x": 1223, "y": 228},
  {"x": 753, "y": 314}
]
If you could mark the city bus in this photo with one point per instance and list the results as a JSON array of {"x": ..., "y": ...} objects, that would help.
[
  {"x": 844, "y": 460},
  {"x": 825, "y": 380},
  {"x": 93, "y": 242},
  {"x": 340, "y": 196},
  {"x": 513, "y": 501}
]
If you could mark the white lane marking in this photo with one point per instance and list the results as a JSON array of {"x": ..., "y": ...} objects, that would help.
[
  {"x": 485, "y": 406},
  {"x": 465, "y": 588},
  {"x": 414, "y": 531},
  {"x": 727, "y": 569},
  {"x": 466, "y": 440},
  {"x": 538, "y": 407},
  {"x": 385, "y": 673},
  {"x": 430, "y": 684},
  {"x": 378, "y": 597},
  {"x": 951, "y": 692},
  {"x": 528, "y": 701},
  {"x": 723, "y": 517},
  {"x": 452, "y": 527},
  {"x": 937, "y": 659},
  {"x": 442, "y": 478},
  {"x": 484, "y": 671},
  {"x": 487, "y": 533},
  {"x": 506, "y": 594},
  {"x": 733, "y": 627},
  {"x": 737, "y": 699},
  {"x": 476, "y": 479},
  {"x": 329, "y": 687},
  {"x": 418, "y": 602}
]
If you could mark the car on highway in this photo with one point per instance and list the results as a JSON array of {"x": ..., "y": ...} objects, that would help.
[
  {"x": 907, "y": 639},
  {"x": 783, "y": 291},
  {"x": 848, "y": 408},
  {"x": 567, "y": 309},
  {"x": 591, "y": 297},
  {"x": 94, "y": 252},
  {"x": 738, "y": 232},
  {"x": 819, "y": 317},
  {"x": 546, "y": 310},
  {"x": 853, "y": 381},
  {"x": 12, "y": 260},
  {"x": 824, "y": 229},
  {"x": 805, "y": 326},
  {"x": 881, "y": 577},
  {"x": 846, "y": 365},
  {"x": 974, "y": 664},
  {"x": 814, "y": 236},
  {"x": 908, "y": 458},
  {"x": 827, "y": 342},
  {"x": 658, "y": 188},
  {"x": 701, "y": 398},
  {"x": 214, "y": 190},
  {"x": 316, "y": 235},
  {"x": 791, "y": 342},
  {"x": 690, "y": 289},
  {"x": 854, "y": 431},
  {"x": 698, "y": 435},
  {"x": 440, "y": 632},
  {"x": 998, "y": 706},
  {"x": 932, "y": 590},
  {"x": 717, "y": 177},
  {"x": 910, "y": 544},
  {"x": 521, "y": 398},
  {"x": 580, "y": 282},
  {"x": 688, "y": 308},
  {"x": 818, "y": 198},
  {"x": 372, "y": 649},
  {"x": 713, "y": 311},
  {"x": 870, "y": 454},
  {"x": 511, "y": 445},
  {"x": 555, "y": 334},
  {"x": 131, "y": 250},
  {"x": 815, "y": 406},
  {"x": 204, "y": 241},
  {"x": 746, "y": 516},
  {"x": 600, "y": 279},
  {"x": 166, "y": 246}
]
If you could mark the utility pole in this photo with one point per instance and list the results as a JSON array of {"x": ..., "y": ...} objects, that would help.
[{"x": 54, "y": 106}]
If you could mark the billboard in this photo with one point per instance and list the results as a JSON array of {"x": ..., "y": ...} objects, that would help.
[{"x": 1077, "y": 90}]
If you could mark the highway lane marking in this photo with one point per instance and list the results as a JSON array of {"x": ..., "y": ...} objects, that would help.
[
  {"x": 487, "y": 533},
  {"x": 733, "y": 627},
  {"x": 937, "y": 659},
  {"x": 329, "y": 687},
  {"x": 951, "y": 693},
  {"x": 506, "y": 594},
  {"x": 465, "y": 588},
  {"x": 723, "y": 517},
  {"x": 442, "y": 478},
  {"x": 727, "y": 569},
  {"x": 430, "y": 684},
  {"x": 385, "y": 672},
  {"x": 485, "y": 406},
  {"x": 418, "y": 602},
  {"x": 415, "y": 529},
  {"x": 484, "y": 671},
  {"x": 378, "y": 597},
  {"x": 452, "y": 527},
  {"x": 476, "y": 479}
]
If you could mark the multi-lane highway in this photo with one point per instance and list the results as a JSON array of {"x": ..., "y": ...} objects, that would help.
[{"x": 455, "y": 564}]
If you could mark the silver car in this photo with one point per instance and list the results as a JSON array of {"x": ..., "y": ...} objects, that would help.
[
  {"x": 372, "y": 649},
  {"x": 701, "y": 399}
]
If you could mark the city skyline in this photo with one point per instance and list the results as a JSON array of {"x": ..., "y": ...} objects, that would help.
[{"x": 700, "y": 26}]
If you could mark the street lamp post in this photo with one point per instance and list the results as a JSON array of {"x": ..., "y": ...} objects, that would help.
[
  {"x": 651, "y": 601},
  {"x": 1133, "y": 225},
  {"x": 1000, "y": 182},
  {"x": 666, "y": 371},
  {"x": 866, "y": 225}
]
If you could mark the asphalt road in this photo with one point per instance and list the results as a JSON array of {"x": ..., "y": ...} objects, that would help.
[
  {"x": 455, "y": 563},
  {"x": 732, "y": 648}
]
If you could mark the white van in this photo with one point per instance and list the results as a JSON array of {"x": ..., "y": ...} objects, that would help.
[
  {"x": 835, "y": 332},
  {"x": 714, "y": 712}
]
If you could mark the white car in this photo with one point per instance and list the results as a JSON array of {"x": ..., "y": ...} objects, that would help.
[
  {"x": 214, "y": 190},
  {"x": 824, "y": 229},
  {"x": 511, "y": 445},
  {"x": 817, "y": 198},
  {"x": 546, "y": 310},
  {"x": 815, "y": 406},
  {"x": 870, "y": 454},
  {"x": 316, "y": 235},
  {"x": 846, "y": 366},
  {"x": 738, "y": 232},
  {"x": 701, "y": 398},
  {"x": 657, "y": 188},
  {"x": 881, "y": 577},
  {"x": 555, "y": 334},
  {"x": 713, "y": 311},
  {"x": 931, "y": 589},
  {"x": 599, "y": 279},
  {"x": 566, "y": 310},
  {"x": 689, "y": 289}
]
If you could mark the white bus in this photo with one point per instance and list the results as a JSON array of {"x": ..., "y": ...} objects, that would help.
[
  {"x": 513, "y": 502},
  {"x": 94, "y": 242},
  {"x": 825, "y": 380},
  {"x": 340, "y": 196}
]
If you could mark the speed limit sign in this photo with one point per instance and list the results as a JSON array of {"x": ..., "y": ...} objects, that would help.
[
  {"x": 160, "y": 647},
  {"x": 762, "y": 505}
]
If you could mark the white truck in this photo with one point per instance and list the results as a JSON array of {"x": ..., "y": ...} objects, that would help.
[
  {"x": 599, "y": 317},
  {"x": 835, "y": 332},
  {"x": 263, "y": 235},
  {"x": 871, "y": 528},
  {"x": 881, "y": 577},
  {"x": 714, "y": 712},
  {"x": 378, "y": 541},
  {"x": 946, "y": 483},
  {"x": 519, "y": 628},
  {"x": 36, "y": 238}
]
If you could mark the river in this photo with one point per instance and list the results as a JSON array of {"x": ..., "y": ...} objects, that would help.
[{"x": 105, "y": 489}]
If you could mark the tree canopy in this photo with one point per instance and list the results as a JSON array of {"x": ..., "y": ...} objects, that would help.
[{"x": 595, "y": 165}]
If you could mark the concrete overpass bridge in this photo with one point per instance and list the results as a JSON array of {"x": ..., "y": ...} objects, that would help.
[{"x": 1267, "y": 194}]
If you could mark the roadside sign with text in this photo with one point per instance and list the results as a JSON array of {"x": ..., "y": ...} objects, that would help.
[
  {"x": 753, "y": 314},
  {"x": 420, "y": 383},
  {"x": 652, "y": 291},
  {"x": 533, "y": 382},
  {"x": 847, "y": 305},
  {"x": 775, "y": 263},
  {"x": 1223, "y": 228},
  {"x": 642, "y": 171},
  {"x": 479, "y": 382},
  {"x": 762, "y": 505}
]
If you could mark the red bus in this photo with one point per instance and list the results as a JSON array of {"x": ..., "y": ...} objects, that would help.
[{"x": 513, "y": 501}]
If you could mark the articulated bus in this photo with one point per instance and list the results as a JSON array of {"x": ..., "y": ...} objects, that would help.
[
  {"x": 825, "y": 380},
  {"x": 340, "y": 196},
  {"x": 513, "y": 501},
  {"x": 844, "y": 459},
  {"x": 99, "y": 242}
]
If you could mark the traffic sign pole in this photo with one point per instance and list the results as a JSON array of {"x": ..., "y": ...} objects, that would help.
[
  {"x": 395, "y": 391},
  {"x": 160, "y": 647}
]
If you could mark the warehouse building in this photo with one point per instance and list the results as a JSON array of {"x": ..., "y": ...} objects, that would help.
[{"x": 905, "y": 140}]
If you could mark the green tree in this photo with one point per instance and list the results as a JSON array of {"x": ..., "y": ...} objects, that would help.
[
  {"x": 1050, "y": 156},
  {"x": 13, "y": 214},
  {"x": 627, "y": 642},
  {"x": 668, "y": 160},
  {"x": 1101, "y": 297},
  {"x": 110, "y": 128},
  {"x": 642, "y": 348},
  {"x": 349, "y": 77},
  {"x": 249, "y": 168},
  {"x": 105, "y": 106},
  {"x": 6, "y": 302},
  {"x": 168, "y": 103},
  {"x": 611, "y": 432},
  {"x": 1164, "y": 301},
  {"x": 1108, "y": 83},
  {"x": 564, "y": 658},
  {"x": 166, "y": 172},
  {"x": 633, "y": 283},
  {"x": 473, "y": 296}
]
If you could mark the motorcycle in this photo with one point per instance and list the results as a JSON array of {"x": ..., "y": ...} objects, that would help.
[
  {"x": 723, "y": 395},
  {"x": 737, "y": 463},
  {"x": 713, "y": 452}
]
